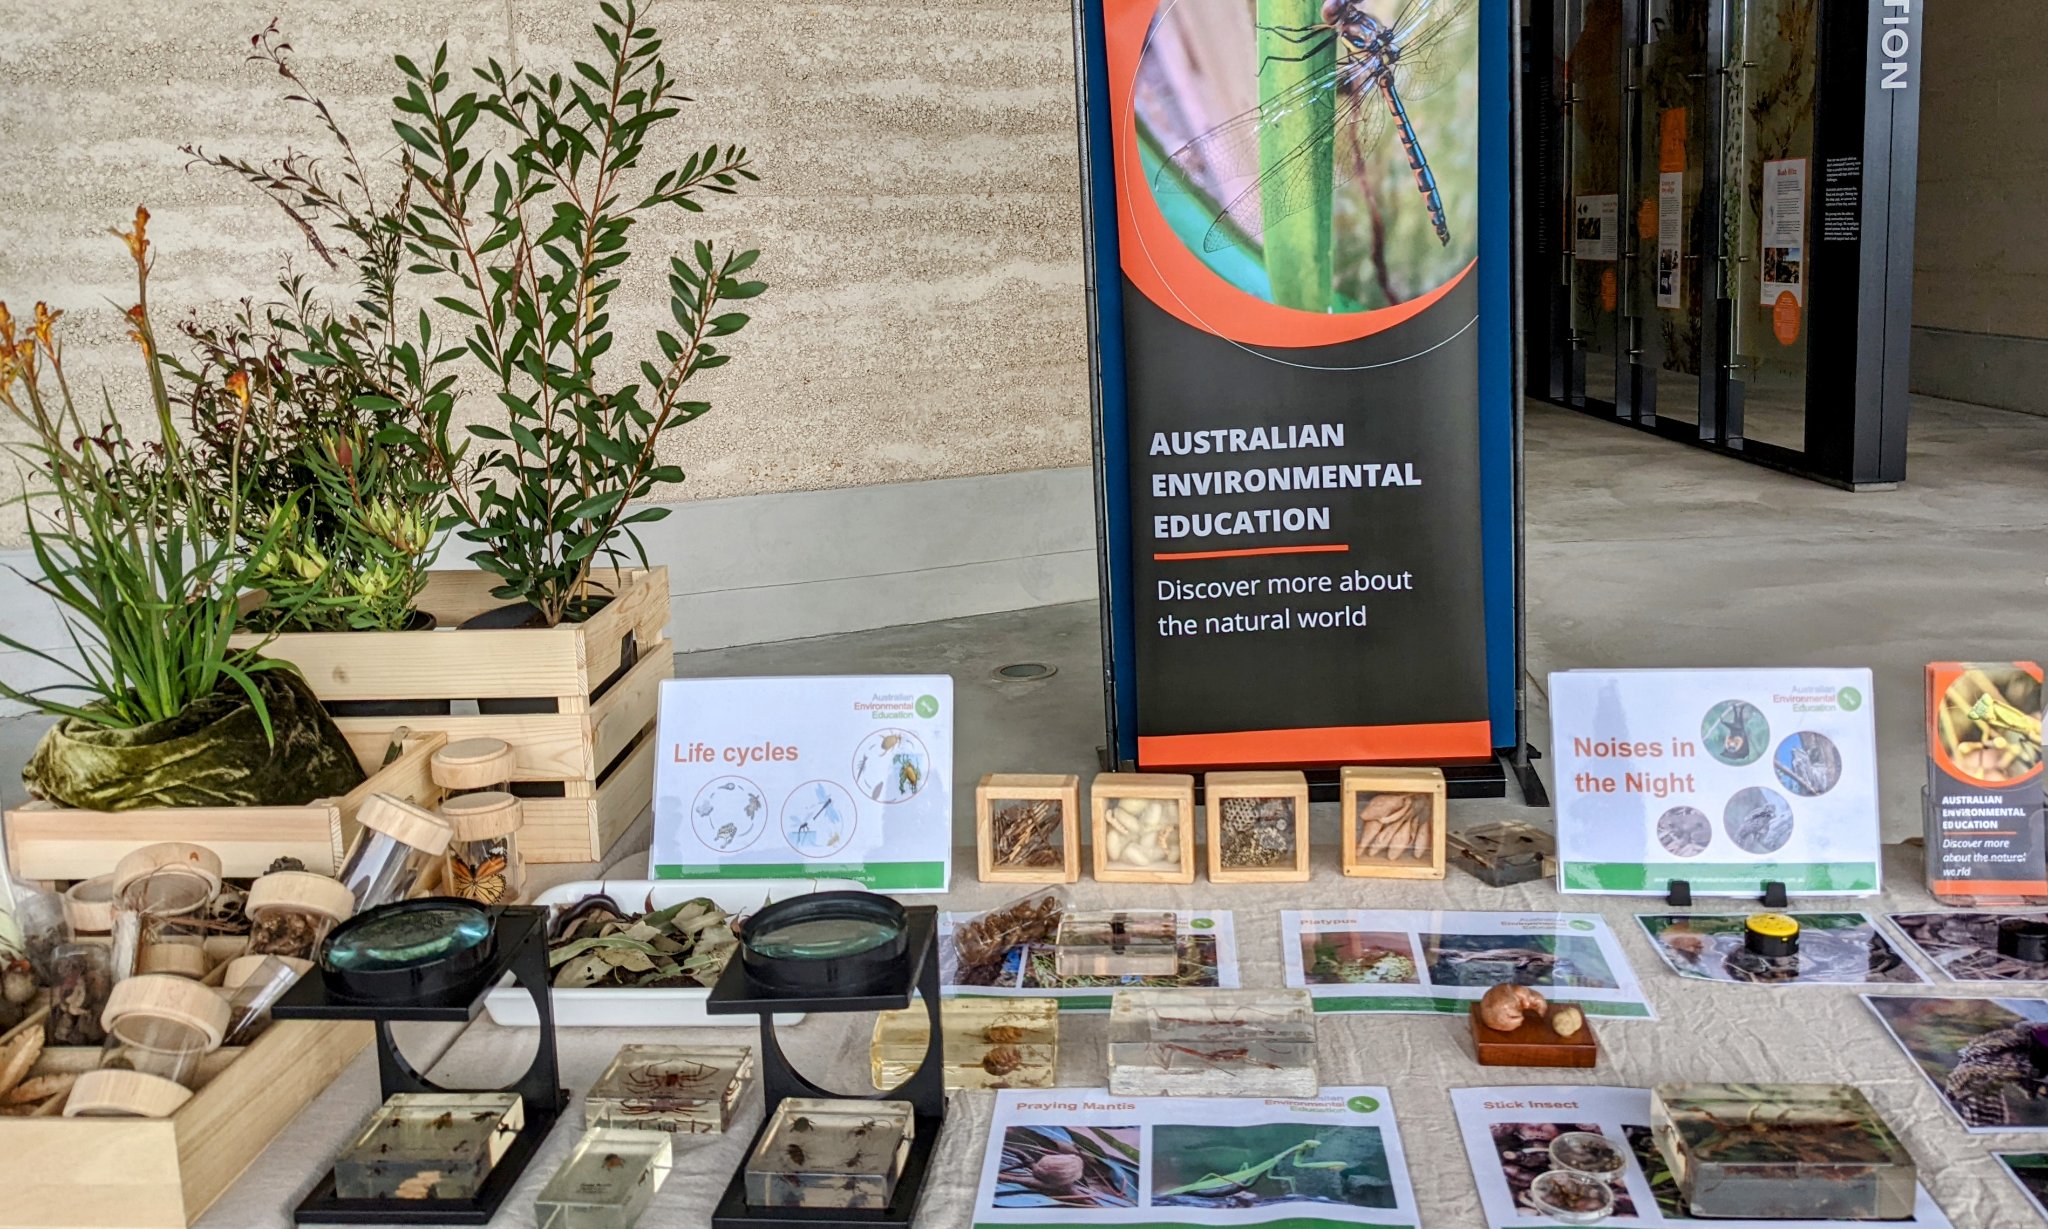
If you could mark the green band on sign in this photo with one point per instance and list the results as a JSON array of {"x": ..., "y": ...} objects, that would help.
[
  {"x": 1723, "y": 876},
  {"x": 879, "y": 876},
  {"x": 1458, "y": 1007}
]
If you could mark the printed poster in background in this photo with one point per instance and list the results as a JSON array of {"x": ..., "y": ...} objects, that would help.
[
  {"x": 1975, "y": 1054},
  {"x": 1393, "y": 960},
  {"x": 1208, "y": 959},
  {"x": 1725, "y": 778},
  {"x": 1300, "y": 384},
  {"x": 1670, "y": 239},
  {"x": 1597, "y": 235},
  {"x": 1784, "y": 246},
  {"x": 1507, "y": 1134},
  {"x": 836, "y": 776},
  {"x": 1321, "y": 1162}
]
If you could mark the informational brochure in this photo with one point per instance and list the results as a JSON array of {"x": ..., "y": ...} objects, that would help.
[
  {"x": 1508, "y": 1131},
  {"x": 1598, "y": 228},
  {"x": 1086, "y": 1158},
  {"x": 1976, "y": 1054},
  {"x": 1670, "y": 239},
  {"x": 1784, "y": 231},
  {"x": 1835, "y": 949},
  {"x": 842, "y": 776},
  {"x": 1964, "y": 946},
  {"x": 1728, "y": 779},
  {"x": 1392, "y": 960},
  {"x": 2030, "y": 1171},
  {"x": 1208, "y": 958}
]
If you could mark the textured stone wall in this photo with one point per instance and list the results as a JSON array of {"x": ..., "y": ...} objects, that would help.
[
  {"x": 918, "y": 212},
  {"x": 1980, "y": 263}
]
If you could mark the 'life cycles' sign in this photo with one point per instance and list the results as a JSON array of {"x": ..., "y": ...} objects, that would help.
[
  {"x": 1727, "y": 779},
  {"x": 847, "y": 777}
]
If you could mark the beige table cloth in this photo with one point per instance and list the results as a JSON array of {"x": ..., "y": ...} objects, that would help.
[{"x": 1703, "y": 1032}]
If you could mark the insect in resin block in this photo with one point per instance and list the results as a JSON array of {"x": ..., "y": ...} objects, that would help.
[
  {"x": 989, "y": 1043},
  {"x": 1781, "y": 1152},
  {"x": 429, "y": 1145},
  {"x": 1258, "y": 827},
  {"x": 1394, "y": 822},
  {"x": 607, "y": 1182},
  {"x": 1213, "y": 1043},
  {"x": 684, "y": 1090},
  {"x": 1504, "y": 853},
  {"x": 819, "y": 1153},
  {"x": 1028, "y": 827},
  {"x": 1143, "y": 825},
  {"x": 1117, "y": 943}
]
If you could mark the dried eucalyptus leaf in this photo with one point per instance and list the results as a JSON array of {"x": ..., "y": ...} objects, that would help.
[{"x": 582, "y": 972}]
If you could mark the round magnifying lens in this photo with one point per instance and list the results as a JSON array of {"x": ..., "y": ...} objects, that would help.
[
  {"x": 410, "y": 948},
  {"x": 825, "y": 941}
]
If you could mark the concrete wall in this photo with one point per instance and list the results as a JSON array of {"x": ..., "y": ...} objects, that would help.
[
  {"x": 918, "y": 211},
  {"x": 1980, "y": 284}
]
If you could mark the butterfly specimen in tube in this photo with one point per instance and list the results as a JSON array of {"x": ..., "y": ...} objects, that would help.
[{"x": 483, "y": 882}]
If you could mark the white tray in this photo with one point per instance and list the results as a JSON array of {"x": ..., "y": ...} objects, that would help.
[{"x": 654, "y": 1007}]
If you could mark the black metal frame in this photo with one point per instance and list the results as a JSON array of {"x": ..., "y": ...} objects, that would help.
[
  {"x": 522, "y": 951},
  {"x": 740, "y": 993},
  {"x": 1859, "y": 245}
]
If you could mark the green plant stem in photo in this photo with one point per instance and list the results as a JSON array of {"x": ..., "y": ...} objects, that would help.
[{"x": 1297, "y": 244}]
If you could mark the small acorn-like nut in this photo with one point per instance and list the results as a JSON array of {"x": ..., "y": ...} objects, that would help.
[
  {"x": 1504, "y": 1007},
  {"x": 1567, "y": 1020}
]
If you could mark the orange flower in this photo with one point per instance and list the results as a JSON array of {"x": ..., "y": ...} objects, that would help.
[
  {"x": 238, "y": 384},
  {"x": 6, "y": 326},
  {"x": 137, "y": 239},
  {"x": 46, "y": 320},
  {"x": 137, "y": 318}
]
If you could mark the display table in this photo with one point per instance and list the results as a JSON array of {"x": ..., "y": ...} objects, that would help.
[{"x": 1704, "y": 1032}]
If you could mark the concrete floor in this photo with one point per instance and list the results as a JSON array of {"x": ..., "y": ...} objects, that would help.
[{"x": 1642, "y": 552}]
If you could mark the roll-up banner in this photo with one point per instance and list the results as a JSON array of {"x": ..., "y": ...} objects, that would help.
[{"x": 1300, "y": 230}]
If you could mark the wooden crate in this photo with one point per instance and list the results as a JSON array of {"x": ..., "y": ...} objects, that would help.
[
  {"x": 1174, "y": 789},
  {"x": 1063, "y": 791},
  {"x": 162, "y": 1173},
  {"x": 596, "y": 748},
  {"x": 52, "y": 843},
  {"x": 1425, "y": 787},
  {"x": 1292, "y": 787}
]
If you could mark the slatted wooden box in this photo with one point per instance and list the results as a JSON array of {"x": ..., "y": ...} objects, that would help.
[
  {"x": 163, "y": 1173},
  {"x": 1279, "y": 801},
  {"x": 52, "y": 843},
  {"x": 585, "y": 769}
]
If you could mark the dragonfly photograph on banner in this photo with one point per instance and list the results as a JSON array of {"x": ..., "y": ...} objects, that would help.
[{"x": 1321, "y": 155}]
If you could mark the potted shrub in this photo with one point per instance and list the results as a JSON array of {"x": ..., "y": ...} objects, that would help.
[{"x": 145, "y": 557}]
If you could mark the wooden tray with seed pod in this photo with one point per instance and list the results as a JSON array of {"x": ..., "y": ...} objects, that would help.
[
  {"x": 52, "y": 843},
  {"x": 1394, "y": 822},
  {"x": 1027, "y": 827},
  {"x": 1143, "y": 825},
  {"x": 1257, "y": 827}
]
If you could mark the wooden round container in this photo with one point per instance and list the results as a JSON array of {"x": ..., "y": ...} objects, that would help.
[
  {"x": 89, "y": 906},
  {"x": 124, "y": 1094},
  {"x": 405, "y": 823},
  {"x": 301, "y": 890},
  {"x": 474, "y": 763},
  {"x": 483, "y": 815},
  {"x": 182, "y": 960},
  {"x": 172, "y": 861},
  {"x": 148, "y": 1008}
]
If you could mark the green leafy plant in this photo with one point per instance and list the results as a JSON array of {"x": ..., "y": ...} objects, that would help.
[
  {"x": 533, "y": 237},
  {"x": 341, "y": 426},
  {"x": 119, "y": 530}
]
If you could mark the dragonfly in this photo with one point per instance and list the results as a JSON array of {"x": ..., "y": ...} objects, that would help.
[{"x": 1382, "y": 63}]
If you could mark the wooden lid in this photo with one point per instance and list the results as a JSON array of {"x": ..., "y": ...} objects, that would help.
[
  {"x": 239, "y": 970},
  {"x": 402, "y": 821},
  {"x": 474, "y": 763},
  {"x": 176, "y": 959},
  {"x": 128, "y": 1093},
  {"x": 301, "y": 890},
  {"x": 483, "y": 814},
  {"x": 89, "y": 905},
  {"x": 149, "y": 998},
  {"x": 170, "y": 858}
]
